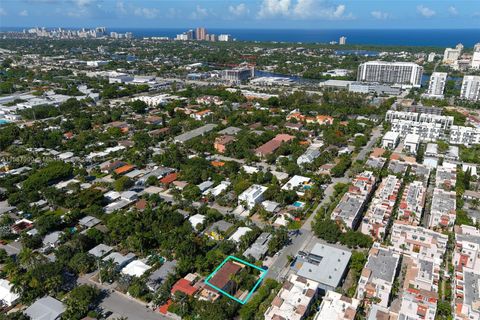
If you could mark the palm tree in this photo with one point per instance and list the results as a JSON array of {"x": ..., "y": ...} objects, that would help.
[
  {"x": 475, "y": 203},
  {"x": 53, "y": 283},
  {"x": 235, "y": 278},
  {"x": 28, "y": 258}
]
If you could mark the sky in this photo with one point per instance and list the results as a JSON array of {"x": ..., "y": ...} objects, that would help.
[{"x": 243, "y": 14}]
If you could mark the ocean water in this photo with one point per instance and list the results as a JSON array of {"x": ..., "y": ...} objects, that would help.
[
  {"x": 435, "y": 38},
  {"x": 401, "y": 37}
]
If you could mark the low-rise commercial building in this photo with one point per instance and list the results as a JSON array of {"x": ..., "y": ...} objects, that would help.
[{"x": 325, "y": 264}]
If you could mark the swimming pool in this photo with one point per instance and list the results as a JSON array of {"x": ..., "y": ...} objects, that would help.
[
  {"x": 299, "y": 204},
  {"x": 3, "y": 121}
]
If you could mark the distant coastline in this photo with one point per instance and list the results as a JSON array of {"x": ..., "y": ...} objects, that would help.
[{"x": 393, "y": 37}]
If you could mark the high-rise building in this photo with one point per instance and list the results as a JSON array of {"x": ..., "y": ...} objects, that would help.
[
  {"x": 200, "y": 33},
  {"x": 437, "y": 84},
  {"x": 470, "y": 88},
  {"x": 403, "y": 73},
  {"x": 239, "y": 74},
  {"x": 431, "y": 57},
  {"x": 190, "y": 34},
  {"x": 342, "y": 40},
  {"x": 450, "y": 55},
  {"x": 476, "y": 60},
  {"x": 224, "y": 37},
  {"x": 476, "y": 47}
]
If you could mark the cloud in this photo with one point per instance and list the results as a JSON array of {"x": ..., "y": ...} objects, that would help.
[
  {"x": 271, "y": 8},
  {"x": 380, "y": 15},
  {"x": 303, "y": 9},
  {"x": 199, "y": 13},
  {"x": 425, "y": 11},
  {"x": 149, "y": 13},
  {"x": 42, "y": 1},
  {"x": 172, "y": 13},
  {"x": 23, "y": 13},
  {"x": 3, "y": 12},
  {"x": 238, "y": 10},
  {"x": 82, "y": 8},
  {"x": 83, "y": 3},
  {"x": 453, "y": 11},
  {"x": 120, "y": 6}
]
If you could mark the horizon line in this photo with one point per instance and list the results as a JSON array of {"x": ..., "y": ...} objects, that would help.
[{"x": 247, "y": 28}]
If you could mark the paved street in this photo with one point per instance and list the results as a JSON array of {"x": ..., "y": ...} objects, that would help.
[
  {"x": 122, "y": 305},
  {"x": 306, "y": 238},
  {"x": 376, "y": 133}
]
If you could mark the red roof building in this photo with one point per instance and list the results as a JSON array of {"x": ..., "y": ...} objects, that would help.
[
  {"x": 222, "y": 278},
  {"x": 169, "y": 178},
  {"x": 272, "y": 145},
  {"x": 183, "y": 285}
]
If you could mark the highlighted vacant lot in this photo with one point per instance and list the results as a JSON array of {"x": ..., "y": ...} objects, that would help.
[{"x": 226, "y": 277}]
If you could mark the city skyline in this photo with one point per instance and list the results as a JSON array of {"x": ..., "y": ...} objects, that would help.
[{"x": 276, "y": 14}]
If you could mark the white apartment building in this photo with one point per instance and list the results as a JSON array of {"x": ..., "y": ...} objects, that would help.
[
  {"x": 425, "y": 130},
  {"x": 466, "y": 261},
  {"x": 338, "y": 307},
  {"x": 451, "y": 55},
  {"x": 401, "y": 73},
  {"x": 401, "y": 115},
  {"x": 252, "y": 196},
  {"x": 376, "y": 279},
  {"x": 422, "y": 275},
  {"x": 445, "y": 122},
  {"x": 224, "y": 37},
  {"x": 436, "y": 85},
  {"x": 476, "y": 60},
  {"x": 413, "y": 200},
  {"x": 416, "y": 306},
  {"x": 431, "y": 132},
  {"x": 349, "y": 209},
  {"x": 390, "y": 140},
  {"x": 443, "y": 210},
  {"x": 418, "y": 242},
  {"x": 411, "y": 143},
  {"x": 378, "y": 214},
  {"x": 431, "y": 127},
  {"x": 464, "y": 135},
  {"x": 467, "y": 249},
  {"x": 446, "y": 176},
  {"x": 293, "y": 300},
  {"x": 470, "y": 88}
]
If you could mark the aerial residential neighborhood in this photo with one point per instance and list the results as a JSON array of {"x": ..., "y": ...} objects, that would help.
[{"x": 196, "y": 175}]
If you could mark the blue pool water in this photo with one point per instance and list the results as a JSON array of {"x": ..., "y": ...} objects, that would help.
[
  {"x": 3, "y": 121},
  {"x": 298, "y": 204}
]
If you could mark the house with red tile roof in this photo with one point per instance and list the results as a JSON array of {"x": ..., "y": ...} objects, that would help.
[{"x": 272, "y": 145}]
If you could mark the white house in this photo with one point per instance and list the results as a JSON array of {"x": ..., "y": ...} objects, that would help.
[
  {"x": 411, "y": 143},
  {"x": 390, "y": 140},
  {"x": 136, "y": 268},
  {"x": 239, "y": 233},
  {"x": 7, "y": 296},
  {"x": 252, "y": 195}
]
